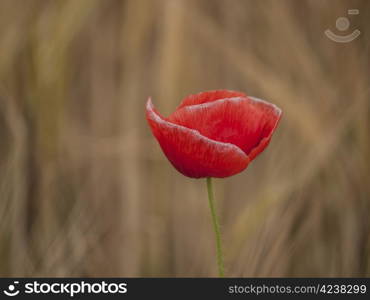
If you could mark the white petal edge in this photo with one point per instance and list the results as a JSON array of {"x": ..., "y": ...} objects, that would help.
[
  {"x": 276, "y": 109},
  {"x": 156, "y": 118}
]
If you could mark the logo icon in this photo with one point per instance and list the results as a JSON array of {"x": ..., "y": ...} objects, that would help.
[
  {"x": 342, "y": 24},
  {"x": 11, "y": 290}
]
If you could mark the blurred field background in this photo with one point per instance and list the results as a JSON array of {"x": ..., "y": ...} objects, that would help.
[{"x": 85, "y": 189}]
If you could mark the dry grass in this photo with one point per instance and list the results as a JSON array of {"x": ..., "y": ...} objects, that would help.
[{"x": 85, "y": 189}]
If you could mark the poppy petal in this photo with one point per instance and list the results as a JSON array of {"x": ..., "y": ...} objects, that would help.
[
  {"x": 268, "y": 134},
  {"x": 209, "y": 96},
  {"x": 193, "y": 154},
  {"x": 246, "y": 122}
]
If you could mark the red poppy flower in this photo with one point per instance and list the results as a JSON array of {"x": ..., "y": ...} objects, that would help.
[{"x": 215, "y": 133}]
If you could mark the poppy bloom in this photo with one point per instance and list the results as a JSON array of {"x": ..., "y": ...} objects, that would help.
[{"x": 214, "y": 133}]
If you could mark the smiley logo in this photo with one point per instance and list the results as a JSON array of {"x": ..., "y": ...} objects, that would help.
[
  {"x": 342, "y": 24},
  {"x": 11, "y": 290}
]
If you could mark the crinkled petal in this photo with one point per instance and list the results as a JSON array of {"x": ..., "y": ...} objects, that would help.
[
  {"x": 209, "y": 96},
  {"x": 193, "y": 154},
  {"x": 246, "y": 122}
]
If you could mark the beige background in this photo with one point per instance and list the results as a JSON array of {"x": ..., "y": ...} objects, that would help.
[{"x": 86, "y": 191}]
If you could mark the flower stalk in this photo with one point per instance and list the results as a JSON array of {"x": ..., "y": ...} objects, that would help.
[{"x": 216, "y": 227}]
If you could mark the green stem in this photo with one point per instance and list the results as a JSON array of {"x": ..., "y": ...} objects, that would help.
[{"x": 216, "y": 226}]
